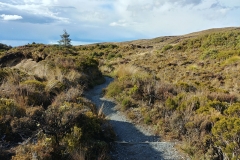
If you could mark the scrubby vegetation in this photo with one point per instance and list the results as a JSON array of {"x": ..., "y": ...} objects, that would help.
[
  {"x": 186, "y": 88},
  {"x": 43, "y": 113}
]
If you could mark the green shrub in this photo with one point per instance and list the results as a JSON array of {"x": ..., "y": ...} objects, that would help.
[
  {"x": 114, "y": 89},
  {"x": 167, "y": 47},
  {"x": 86, "y": 62},
  {"x": 4, "y": 47},
  {"x": 226, "y": 134},
  {"x": 171, "y": 104},
  {"x": 110, "y": 56},
  {"x": 72, "y": 139},
  {"x": 219, "y": 106},
  {"x": 233, "y": 110},
  {"x": 225, "y": 54},
  {"x": 186, "y": 87},
  {"x": 9, "y": 107},
  {"x": 178, "y": 47},
  {"x": 133, "y": 90},
  {"x": 232, "y": 60},
  {"x": 147, "y": 119},
  {"x": 204, "y": 110},
  {"x": 126, "y": 103},
  {"x": 212, "y": 53},
  {"x": 192, "y": 103}
]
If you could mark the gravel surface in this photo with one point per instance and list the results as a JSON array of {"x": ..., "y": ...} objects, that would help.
[{"x": 134, "y": 142}]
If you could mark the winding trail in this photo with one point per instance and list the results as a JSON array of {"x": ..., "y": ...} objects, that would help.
[{"x": 134, "y": 142}]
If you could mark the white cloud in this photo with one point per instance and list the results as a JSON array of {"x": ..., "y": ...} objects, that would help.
[
  {"x": 38, "y": 8},
  {"x": 10, "y": 17},
  {"x": 121, "y": 23}
]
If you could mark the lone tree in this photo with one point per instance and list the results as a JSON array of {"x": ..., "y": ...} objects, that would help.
[{"x": 65, "y": 41}]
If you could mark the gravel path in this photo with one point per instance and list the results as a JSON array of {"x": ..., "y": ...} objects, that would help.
[{"x": 134, "y": 142}]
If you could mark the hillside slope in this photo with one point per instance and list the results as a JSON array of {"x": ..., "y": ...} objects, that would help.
[{"x": 185, "y": 87}]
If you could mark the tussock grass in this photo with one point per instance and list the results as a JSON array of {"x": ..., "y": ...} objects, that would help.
[
  {"x": 125, "y": 71},
  {"x": 232, "y": 60}
]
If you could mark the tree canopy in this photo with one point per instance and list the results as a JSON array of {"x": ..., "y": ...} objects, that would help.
[{"x": 65, "y": 40}]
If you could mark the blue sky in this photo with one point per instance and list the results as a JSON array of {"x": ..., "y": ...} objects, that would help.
[{"x": 42, "y": 21}]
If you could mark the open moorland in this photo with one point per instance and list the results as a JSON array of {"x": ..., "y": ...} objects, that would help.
[{"x": 186, "y": 88}]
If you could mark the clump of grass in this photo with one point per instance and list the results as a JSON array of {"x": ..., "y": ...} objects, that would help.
[
  {"x": 232, "y": 60},
  {"x": 114, "y": 89},
  {"x": 167, "y": 47},
  {"x": 126, "y": 103},
  {"x": 212, "y": 53},
  {"x": 147, "y": 119},
  {"x": 126, "y": 70},
  {"x": 9, "y": 107},
  {"x": 193, "y": 67},
  {"x": 35, "y": 84}
]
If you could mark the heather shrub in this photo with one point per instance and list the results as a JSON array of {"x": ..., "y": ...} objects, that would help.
[
  {"x": 226, "y": 134},
  {"x": 233, "y": 110},
  {"x": 167, "y": 47},
  {"x": 114, "y": 89},
  {"x": 9, "y": 107},
  {"x": 126, "y": 103}
]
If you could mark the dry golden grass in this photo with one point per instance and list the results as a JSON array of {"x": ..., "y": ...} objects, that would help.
[{"x": 125, "y": 71}]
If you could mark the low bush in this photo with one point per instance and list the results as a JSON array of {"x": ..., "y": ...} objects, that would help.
[
  {"x": 34, "y": 85},
  {"x": 126, "y": 103},
  {"x": 167, "y": 47},
  {"x": 114, "y": 89},
  {"x": 9, "y": 107},
  {"x": 226, "y": 133}
]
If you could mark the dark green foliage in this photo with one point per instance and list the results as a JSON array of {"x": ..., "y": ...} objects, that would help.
[
  {"x": 171, "y": 104},
  {"x": 178, "y": 47},
  {"x": 187, "y": 87},
  {"x": 114, "y": 90},
  {"x": 4, "y": 47},
  {"x": 233, "y": 110},
  {"x": 9, "y": 107},
  {"x": 110, "y": 56},
  {"x": 126, "y": 103},
  {"x": 210, "y": 54},
  {"x": 65, "y": 40},
  {"x": 227, "y": 134},
  {"x": 167, "y": 47},
  {"x": 219, "y": 106},
  {"x": 147, "y": 119}
]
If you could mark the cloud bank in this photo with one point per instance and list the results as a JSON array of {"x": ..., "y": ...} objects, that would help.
[
  {"x": 112, "y": 20},
  {"x": 10, "y": 17}
]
